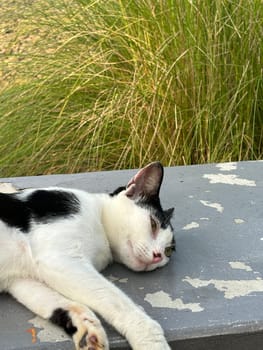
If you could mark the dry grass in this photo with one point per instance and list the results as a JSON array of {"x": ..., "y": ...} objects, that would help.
[{"x": 95, "y": 85}]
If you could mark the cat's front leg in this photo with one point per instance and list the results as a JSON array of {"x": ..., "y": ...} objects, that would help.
[
  {"x": 84, "y": 284},
  {"x": 76, "y": 319}
]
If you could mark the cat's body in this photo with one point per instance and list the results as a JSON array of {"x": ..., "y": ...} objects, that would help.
[{"x": 54, "y": 241}]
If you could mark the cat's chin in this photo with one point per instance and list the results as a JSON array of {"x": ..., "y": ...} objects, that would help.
[
  {"x": 141, "y": 266},
  {"x": 133, "y": 263}
]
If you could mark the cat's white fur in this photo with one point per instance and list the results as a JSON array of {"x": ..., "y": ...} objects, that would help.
[{"x": 56, "y": 265}]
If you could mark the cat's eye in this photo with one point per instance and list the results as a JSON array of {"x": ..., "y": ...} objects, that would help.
[
  {"x": 168, "y": 251},
  {"x": 154, "y": 225}
]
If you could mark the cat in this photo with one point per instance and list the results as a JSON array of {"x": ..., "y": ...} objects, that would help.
[{"x": 54, "y": 241}]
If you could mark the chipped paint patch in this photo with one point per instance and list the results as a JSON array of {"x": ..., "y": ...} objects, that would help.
[
  {"x": 112, "y": 278},
  {"x": 163, "y": 300},
  {"x": 117, "y": 279},
  {"x": 230, "y": 288},
  {"x": 190, "y": 226},
  {"x": 229, "y": 179},
  {"x": 123, "y": 280},
  {"x": 239, "y": 221},
  {"x": 6, "y": 187},
  {"x": 227, "y": 166},
  {"x": 48, "y": 332},
  {"x": 216, "y": 206},
  {"x": 240, "y": 266}
]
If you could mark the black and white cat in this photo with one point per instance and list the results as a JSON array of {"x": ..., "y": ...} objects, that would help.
[{"x": 53, "y": 242}]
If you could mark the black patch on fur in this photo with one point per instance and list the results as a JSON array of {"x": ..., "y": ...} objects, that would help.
[
  {"x": 153, "y": 203},
  {"x": 14, "y": 212},
  {"x": 163, "y": 216},
  {"x": 117, "y": 191},
  {"x": 62, "y": 319},
  {"x": 83, "y": 340},
  {"x": 49, "y": 204},
  {"x": 40, "y": 205}
]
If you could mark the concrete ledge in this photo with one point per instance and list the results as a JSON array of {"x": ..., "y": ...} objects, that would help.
[{"x": 211, "y": 294}]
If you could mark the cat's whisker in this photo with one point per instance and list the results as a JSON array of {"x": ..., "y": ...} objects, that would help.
[{"x": 143, "y": 251}]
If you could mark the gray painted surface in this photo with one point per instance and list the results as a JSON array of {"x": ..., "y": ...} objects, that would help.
[{"x": 210, "y": 296}]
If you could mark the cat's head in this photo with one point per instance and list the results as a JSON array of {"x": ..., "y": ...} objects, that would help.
[{"x": 140, "y": 232}]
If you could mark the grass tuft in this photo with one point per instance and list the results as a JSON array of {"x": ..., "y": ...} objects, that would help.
[{"x": 117, "y": 84}]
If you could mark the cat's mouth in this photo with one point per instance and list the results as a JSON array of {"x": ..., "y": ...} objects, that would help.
[{"x": 141, "y": 262}]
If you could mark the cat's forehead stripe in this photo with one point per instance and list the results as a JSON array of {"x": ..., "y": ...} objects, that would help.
[{"x": 154, "y": 206}]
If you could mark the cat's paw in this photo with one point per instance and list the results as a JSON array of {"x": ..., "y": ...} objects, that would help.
[
  {"x": 149, "y": 336},
  {"x": 90, "y": 334}
]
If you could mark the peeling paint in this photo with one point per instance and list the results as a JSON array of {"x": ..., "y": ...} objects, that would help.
[
  {"x": 239, "y": 221},
  {"x": 190, "y": 226},
  {"x": 117, "y": 279},
  {"x": 240, "y": 266},
  {"x": 163, "y": 300},
  {"x": 123, "y": 280},
  {"x": 6, "y": 187},
  {"x": 230, "y": 288},
  {"x": 48, "y": 332},
  {"x": 112, "y": 278},
  {"x": 227, "y": 166},
  {"x": 229, "y": 179},
  {"x": 216, "y": 206}
]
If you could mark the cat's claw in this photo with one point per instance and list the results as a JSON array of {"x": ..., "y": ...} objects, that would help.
[{"x": 90, "y": 334}]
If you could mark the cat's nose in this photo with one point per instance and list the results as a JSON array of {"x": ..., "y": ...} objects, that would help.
[{"x": 157, "y": 257}]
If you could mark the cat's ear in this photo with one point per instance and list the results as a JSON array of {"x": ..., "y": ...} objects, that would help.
[
  {"x": 168, "y": 214},
  {"x": 147, "y": 182}
]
